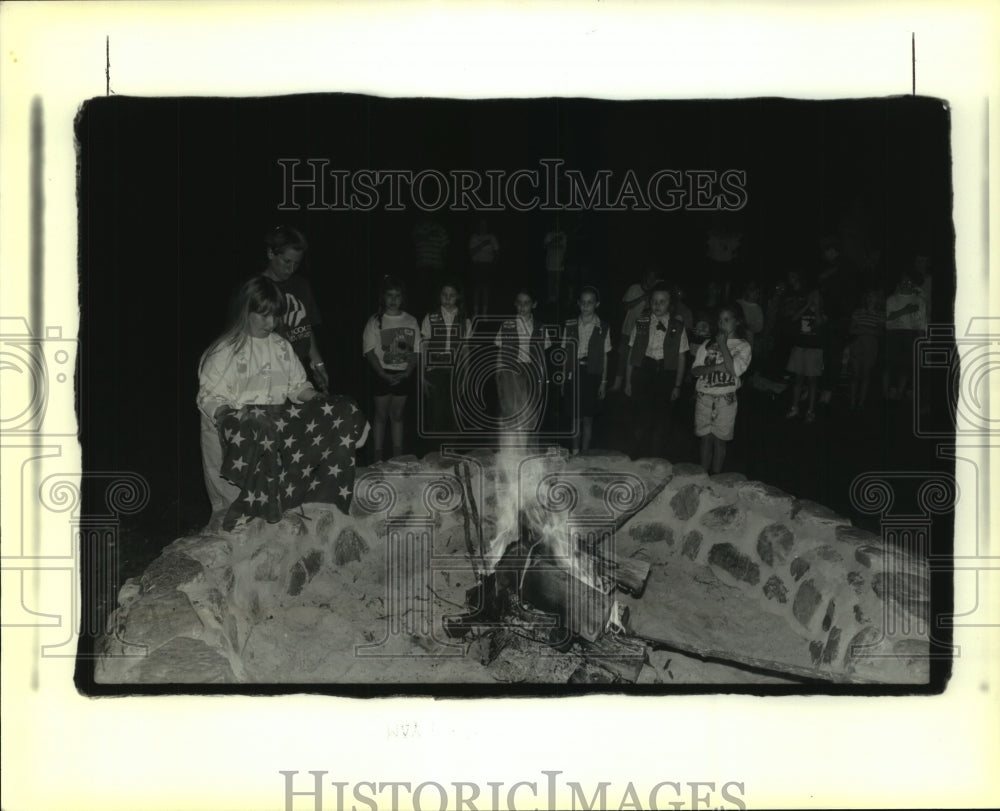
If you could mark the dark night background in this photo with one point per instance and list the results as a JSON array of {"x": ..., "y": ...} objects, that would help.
[{"x": 177, "y": 194}]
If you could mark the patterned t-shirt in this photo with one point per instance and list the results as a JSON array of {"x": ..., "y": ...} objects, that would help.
[
  {"x": 395, "y": 342},
  {"x": 719, "y": 381}
]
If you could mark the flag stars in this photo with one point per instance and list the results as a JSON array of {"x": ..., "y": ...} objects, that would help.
[
  {"x": 296, "y": 457},
  {"x": 289, "y": 491},
  {"x": 344, "y": 492},
  {"x": 289, "y": 441},
  {"x": 346, "y": 441},
  {"x": 239, "y": 464},
  {"x": 280, "y": 423},
  {"x": 257, "y": 412},
  {"x": 236, "y": 440},
  {"x": 294, "y": 411},
  {"x": 327, "y": 409},
  {"x": 310, "y": 426},
  {"x": 266, "y": 444},
  {"x": 336, "y": 423},
  {"x": 317, "y": 439},
  {"x": 334, "y": 470},
  {"x": 325, "y": 453}
]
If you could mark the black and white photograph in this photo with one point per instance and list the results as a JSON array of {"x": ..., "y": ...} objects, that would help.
[
  {"x": 509, "y": 393},
  {"x": 405, "y": 405}
]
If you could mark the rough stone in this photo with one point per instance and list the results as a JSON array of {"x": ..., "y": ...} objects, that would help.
[
  {"x": 861, "y": 644},
  {"x": 909, "y": 590},
  {"x": 766, "y": 500},
  {"x": 816, "y": 515},
  {"x": 827, "y": 553},
  {"x": 349, "y": 546},
  {"x": 129, "y": 592},
  {"x": 815, "y": 651},
  {"x": 168, "y": 572},
  {"x": 158, "y": 618},
  {"x": 183, "y": 661},
  {"x": 724, "y": 519},
  {"x": 799, "y": 567},
  {"x": 859, "y": 615},
  {"x": 807, "y": 600},
  {"x": 726, "y": 556},
  {"x": 267, "y": 563},
  {"x": 866, "y": 554},
  {"x": 774, "y": 543},
  {"x": 688, "y": 471},
  {"x": 685, "y": 501},
  {"x": 691, "y": 544},
  {"x": 832, "y": 648},
  {"x": 291, "y": 525},
  {"x": 727, "y": 481},
  {"x": 856, "y": 537},
  {"x": 608, "y": 459},
  {"x": 857, "y": 581},
  {"x": 296, "y": 579},
  {"x": 774, "y": 589},
  {"x": 828, "y": 616},
  {"x": 915, "y": 654},
  {"x": 652, "y": 532}
]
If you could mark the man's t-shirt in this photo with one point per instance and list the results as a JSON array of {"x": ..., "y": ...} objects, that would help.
[{"x": 301, "y": 314}]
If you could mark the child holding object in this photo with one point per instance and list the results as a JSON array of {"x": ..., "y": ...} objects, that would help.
[
  {"x": 249, "y": 364},
  {"x": 390, "y": 343},
  {"x": 718, "y": 366},
  {"x": 587, "y": 378}
]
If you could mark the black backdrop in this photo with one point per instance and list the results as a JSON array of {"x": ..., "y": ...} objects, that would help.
[{"x": 176, "y": 195}]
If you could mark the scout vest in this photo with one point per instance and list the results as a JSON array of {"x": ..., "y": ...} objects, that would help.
[
  {"x": 508, "y": 336},
  {"x": 671, "y": 341},
  {"x": 595, "y": 346}
]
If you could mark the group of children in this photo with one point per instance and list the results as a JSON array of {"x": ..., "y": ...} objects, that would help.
[
  {"x": 269, "y": 354},
  {"x": 654, "y": 354}
]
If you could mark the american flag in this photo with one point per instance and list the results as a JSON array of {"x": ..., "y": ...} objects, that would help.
[{"x": 281, "y": 456}]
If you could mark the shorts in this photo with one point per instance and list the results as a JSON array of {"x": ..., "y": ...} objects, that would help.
[
  {"x": 715, "y": 414},
  {"x": 805, "y": 361},
  {"x": 380, "y": 388}
]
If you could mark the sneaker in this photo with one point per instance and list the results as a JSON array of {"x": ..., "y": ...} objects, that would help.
[
  {"x": 792, "y": 412},
  {"x": 810, "y": 416}
]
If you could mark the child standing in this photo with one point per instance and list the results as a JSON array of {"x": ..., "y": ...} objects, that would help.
[
  {"x": 718, "y": 366},
  {"x": 587, "y": 378},
  {"x": 442, "y": 334},
  {"x": 390, "y": 343},
  {"x": 654, "y": 373},
  {"x": 521, "y": 371},
  {"x": 806, "y": 358},
  {"x": 867, "y": 328},
  {"x": 906, "y": 318}
]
